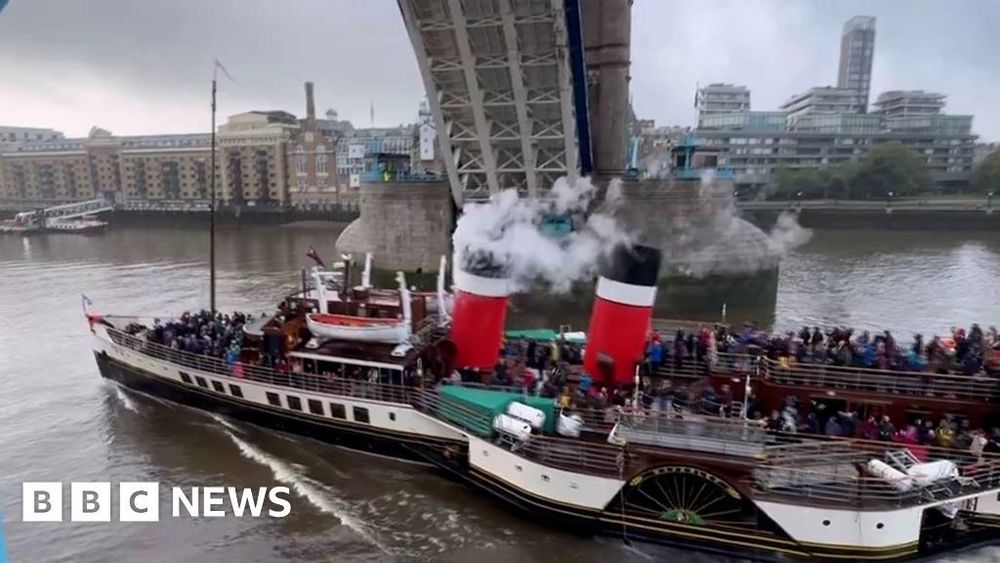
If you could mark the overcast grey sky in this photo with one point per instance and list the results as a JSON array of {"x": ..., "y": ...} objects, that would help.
[{"x": 142, "y": 66}]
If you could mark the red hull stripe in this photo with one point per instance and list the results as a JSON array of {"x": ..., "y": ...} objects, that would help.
[{"x": 625, "y": 293}]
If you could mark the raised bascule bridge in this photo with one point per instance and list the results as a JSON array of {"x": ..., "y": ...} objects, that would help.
[{"x": 520, "y": 93}]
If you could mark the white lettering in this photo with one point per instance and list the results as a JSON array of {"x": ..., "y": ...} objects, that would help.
[
  {"x": 190, "y": 504},
  {"x": 240, "y": 502},
  {"x": 212, "y": 496},
  {"x": 275, "y": 498}
]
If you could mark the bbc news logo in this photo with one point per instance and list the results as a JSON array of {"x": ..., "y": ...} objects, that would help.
[{"x": 140, "y": 502}]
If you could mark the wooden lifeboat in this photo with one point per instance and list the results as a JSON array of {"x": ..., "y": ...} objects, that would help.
[{"x": 362, "y": 329}]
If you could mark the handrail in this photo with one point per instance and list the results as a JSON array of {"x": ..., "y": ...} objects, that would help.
[
  {"x": 579, "y": 455},
  {"x": 361, "y": 387},
  {"x": 830, "y": 469},
  {"x": 576, "y": 455},
  {"x": 878, "y": 381},
  {"x": 771, "y": 451},
  {"x": 738, "y": 365},
  {"x": 723, "y": 364},
  {"x": 849, "y": 487}
]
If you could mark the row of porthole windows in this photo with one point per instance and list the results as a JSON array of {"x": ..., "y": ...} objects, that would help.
[
  {"x": 878, "y": 526},
  {"x": 543, "y": 476},
  {"x": 337, "y": 410},
  {"x": 217, "y": 386}
]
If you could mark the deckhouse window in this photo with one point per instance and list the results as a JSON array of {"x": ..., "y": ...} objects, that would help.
[
  {"x": 201, "y": 381},
  {"x": 361, "y": 415},
  {"x": 294, "y": 403},
  {"x": 185, "y": 378},
  {"x": 316, "y": 407},
  {"x": 235, "y": 390},
  {"x": 219, "y": 387},
  {"x": 337, "y": 410},
  {"x": 273, "y": 399}
]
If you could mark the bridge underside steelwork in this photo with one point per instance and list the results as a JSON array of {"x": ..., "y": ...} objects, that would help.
[{"x": 500, "y": 86}]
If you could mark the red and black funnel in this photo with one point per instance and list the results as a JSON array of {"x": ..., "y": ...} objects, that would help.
[
  {"x": 623, "y": 310},
  {"x": 478, "y": 316}
]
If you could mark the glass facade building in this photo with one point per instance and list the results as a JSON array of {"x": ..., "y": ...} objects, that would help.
[
  {"x": 857, "y": 48},
  {"x": 745, "y": 121}
]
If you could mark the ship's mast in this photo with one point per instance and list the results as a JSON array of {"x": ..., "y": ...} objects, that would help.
[{"x": 211, "y": 209}]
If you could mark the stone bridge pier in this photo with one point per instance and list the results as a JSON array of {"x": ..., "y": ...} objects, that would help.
[
  {"x": 405, "y": 225},
  {"x": 711, "y": 255}
]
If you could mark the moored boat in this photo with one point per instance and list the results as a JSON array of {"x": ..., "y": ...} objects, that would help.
[
  {"x": 32, "y": 223},
  {"x": 76, "y": 226}
]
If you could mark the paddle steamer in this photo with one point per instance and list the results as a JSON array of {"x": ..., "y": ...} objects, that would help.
[{"x": 724, "y": 485}]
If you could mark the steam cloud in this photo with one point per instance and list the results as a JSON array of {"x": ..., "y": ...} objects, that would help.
[
  {"x": 700, "y": 232},
  {"x": 505, "y": 237},
  {"x": 787, "y": 234},
  {"x": 695, "y": 225}
]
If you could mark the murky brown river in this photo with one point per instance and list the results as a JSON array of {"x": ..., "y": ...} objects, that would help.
[{"x": 59, "y": 421}]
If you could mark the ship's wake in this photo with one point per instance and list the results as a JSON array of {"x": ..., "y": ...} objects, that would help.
[
  {"x": 126, "y": 401},
  {"x": 397, "y": 523},
  {"x": 225, "y": 422},
  {"x": 318, "y": 494}
]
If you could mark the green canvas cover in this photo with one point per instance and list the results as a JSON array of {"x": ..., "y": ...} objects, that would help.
[
  {"x": 474, "y": 408},
  {"x": 541, "y": 334}
]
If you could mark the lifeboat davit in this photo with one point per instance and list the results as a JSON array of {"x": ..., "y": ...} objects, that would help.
[{"x": 362, "y": 329}]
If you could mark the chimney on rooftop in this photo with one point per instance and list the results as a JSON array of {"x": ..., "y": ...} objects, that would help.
[{"x": 310, "y": 105}]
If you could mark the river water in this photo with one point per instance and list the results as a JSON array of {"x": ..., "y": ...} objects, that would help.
[{"x": 59, "y": 421}]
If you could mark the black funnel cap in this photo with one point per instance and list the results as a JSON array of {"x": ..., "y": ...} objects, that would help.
[{"x": 634, "y": 265}]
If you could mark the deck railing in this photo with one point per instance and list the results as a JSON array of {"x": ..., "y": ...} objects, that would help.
[
  {"x": 822, "y": 375},
  {"x": 866, "y": 380},
  {"x": 832, "y": 470},
  {"x": 576, "y": 455},
  {"x": 725, "y": 363},
  {"x": 841, "y": 486},
  {"x": 721, "y": 436},
  {"x": 880, "y": 381},
  {"x": 570, "y": 454},
  {"x": 785, "y": 464}
]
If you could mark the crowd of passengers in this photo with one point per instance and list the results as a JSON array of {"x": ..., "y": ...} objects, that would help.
[
  {"x": 219, "y": 335},
  {"x": 544, "y": 368},
  {"x": 553, "y": 369},
  {"x": 972, "y": 352},
  {"x": 948, "y": 432},
  {"x": 963, "y": 352}
]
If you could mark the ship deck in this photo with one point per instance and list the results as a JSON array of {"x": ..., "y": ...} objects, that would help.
[{"x": 796, "y": 468}]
